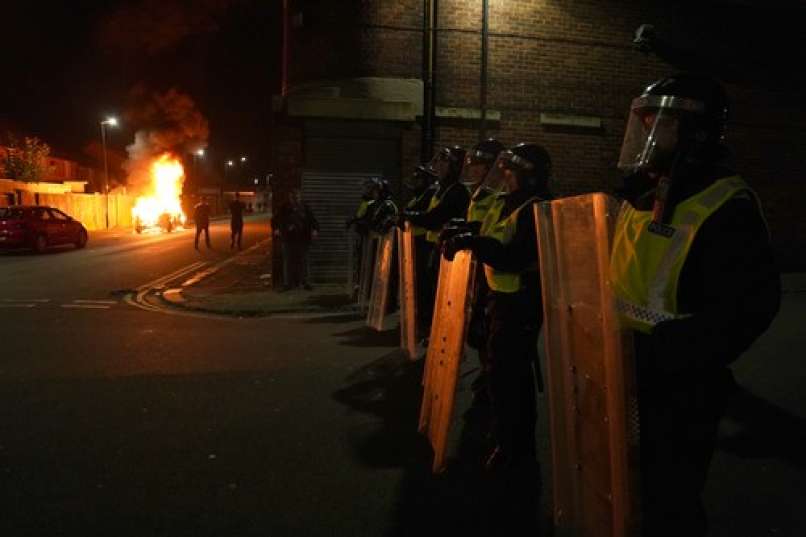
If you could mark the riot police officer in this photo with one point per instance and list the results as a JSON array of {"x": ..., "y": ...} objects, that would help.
[
  {"x": 449, "y": 201},
  {"x": 694, "y": 278},
  {"x": 422, "y": 184},
  {"x": 507, "y": 246},
  {"x": 478, "y": 162},
  {"x": 361, "y": 223},
  {"x": 383, "y": 213}
]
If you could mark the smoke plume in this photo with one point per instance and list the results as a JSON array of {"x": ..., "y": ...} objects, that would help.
[{"x": 168, "y": 122}]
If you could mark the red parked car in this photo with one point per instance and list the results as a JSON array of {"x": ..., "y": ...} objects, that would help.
[{"x": 39, "y": 227}]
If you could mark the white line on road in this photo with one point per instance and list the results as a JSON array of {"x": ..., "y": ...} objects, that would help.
[
  {"x": 17, "y": 305},
  {"x": 82, "y": 301},
  {"x": 86, "y": 306},
  {"x": 173, "y": 275}
]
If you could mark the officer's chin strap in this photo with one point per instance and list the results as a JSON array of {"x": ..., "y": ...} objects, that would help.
[{"x": 663, "y": 209}]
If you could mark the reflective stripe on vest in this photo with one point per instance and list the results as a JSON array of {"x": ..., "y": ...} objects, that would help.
[
  {"x": 433, "y": 235},
  {"x": 645, "y": 266},
  {"x": 503, "y": 231},
  {"x": 362, "y": 209},
  {"x": 413, "y": 202},
  {"x": 478, "y": 208}
]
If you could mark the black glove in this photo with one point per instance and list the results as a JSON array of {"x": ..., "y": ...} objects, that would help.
[
  {"x": 463, "y": 241},
  {"x": 409, "y": 215},
  {"x": 456, "y": 226}
]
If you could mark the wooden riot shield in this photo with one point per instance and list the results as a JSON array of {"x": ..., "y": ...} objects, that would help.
[
  {"x": 445, "y": 349},
  {"x": 380, "y": 281},
  {"x": 369, "y": 248},
  {"x": 408, "y": 291},
  {"x": 590, "y": 372}
]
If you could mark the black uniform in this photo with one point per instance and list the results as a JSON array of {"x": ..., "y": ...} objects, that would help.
[
  {"x": 513, "y": 322},
  {"x": 454, "y": 204},
  {"x": 422, "y": 252},
  {"x": 731, "y": 286}
]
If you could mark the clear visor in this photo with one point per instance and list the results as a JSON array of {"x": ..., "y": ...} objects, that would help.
[
  {"x": 495, "y": 182},
  {"x": 653, "y": 132},
  {"x": 474, "y": 172}
]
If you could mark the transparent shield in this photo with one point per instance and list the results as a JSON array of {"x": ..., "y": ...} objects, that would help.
[
  {"x": 590, "y": 372},
  {"x": 445, "y": 349},
  {"x": 408, "y": 291},
  {"x": 380, "y": 281},
  {"x": 369, "y": 247},
  {"x": 650, "y": 140}
]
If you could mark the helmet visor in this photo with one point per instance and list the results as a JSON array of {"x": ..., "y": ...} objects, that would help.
[
  {"x": 653, "y": 132},
  {"x": 495, "y": 182},
  {"x": 474, "y": 172}
]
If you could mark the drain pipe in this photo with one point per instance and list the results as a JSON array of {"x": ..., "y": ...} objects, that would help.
[
  {"x": 485, "y": 36},
  {"x": 429, "y": 78}
]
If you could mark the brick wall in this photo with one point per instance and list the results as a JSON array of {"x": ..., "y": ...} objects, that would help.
[{"x": 563, "y": 56}]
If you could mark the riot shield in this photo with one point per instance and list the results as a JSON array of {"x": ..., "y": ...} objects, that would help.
[
  {"x": 380, "y": 281},
  {"x": 368, "y": 250},
  {"x": 445, "y": 349},
  {"x": 408, "y": 291},
  {"x": 590, "y": 372}
]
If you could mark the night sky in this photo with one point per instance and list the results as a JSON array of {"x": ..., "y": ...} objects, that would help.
[{"x": 69, "y": 64}]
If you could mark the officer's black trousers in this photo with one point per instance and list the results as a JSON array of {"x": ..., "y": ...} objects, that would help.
[
  {"x": 511, "y": 344},
  {"x": 427, "y": 275},
  {"x": 678, "y": 434}
]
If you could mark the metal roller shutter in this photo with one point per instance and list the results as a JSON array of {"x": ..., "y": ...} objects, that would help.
[
  {"x": 332, "y": 182},
  {"x": 333, "y": 198}
]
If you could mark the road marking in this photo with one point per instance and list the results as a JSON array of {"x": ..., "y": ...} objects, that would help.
[
  {"x": 82, "y": 301},
  {"x": 17, "y": 305},
  {"x": 86, "y": 306},
  {"x": 173, "y": 275},
  {"x": 196, "y": 278},
  {"x": 27, "y": 300}
]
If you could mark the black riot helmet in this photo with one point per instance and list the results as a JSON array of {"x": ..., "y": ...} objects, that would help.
[
  {"x": 529, "y": 164},
  {"x": 679, "y": 120},
  {"x": 479, "y": 160},
  {"x": 384, "y": 189},
  {"x": 485, "y": 151},
  {"x": 448, "y": 163},
  {"x": 421, "y": 178}
]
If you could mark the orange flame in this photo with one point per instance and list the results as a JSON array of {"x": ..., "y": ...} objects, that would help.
[{"x": 167, "y": 177}]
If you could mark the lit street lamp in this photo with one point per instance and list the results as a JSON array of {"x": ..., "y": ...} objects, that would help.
[
  {"x": 199, "y": 153},
  {"x": 243, "y": 159},
  {"x": 112, "y": 122}
]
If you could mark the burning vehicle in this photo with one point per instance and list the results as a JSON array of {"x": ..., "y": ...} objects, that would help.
[{"x": 161, "y": 208}]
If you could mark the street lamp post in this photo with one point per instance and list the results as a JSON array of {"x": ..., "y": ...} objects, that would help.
[
  {"x": 199, "y": 153},
  {"x": 229, "y": 164},
  {"x": 112, "y": 122}
]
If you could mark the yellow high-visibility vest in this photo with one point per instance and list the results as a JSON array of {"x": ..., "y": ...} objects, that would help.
[
  {"x": 503, "y": 231},
  {"x": 362, "y": 209},
  {"x": 647, "y": 259},
  {"x": 479, "y": 208},
  {"x": 433, "y": 235}
]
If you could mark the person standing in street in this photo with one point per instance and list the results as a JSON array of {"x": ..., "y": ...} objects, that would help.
[
  {"x": 295, "y": 226},
  {"x": 236, "y": 209},
  {"x": 507, "y": 246},
  {"x": 201, "y": 216},
  {"x": 694, "y": 279}
]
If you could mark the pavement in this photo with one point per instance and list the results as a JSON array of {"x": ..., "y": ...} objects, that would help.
[
  {"x": 126, "y": 417},
  {"x": 242, "y": 286}
]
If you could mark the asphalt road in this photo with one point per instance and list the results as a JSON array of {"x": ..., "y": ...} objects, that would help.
[{"x": 119, "y": 421}]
